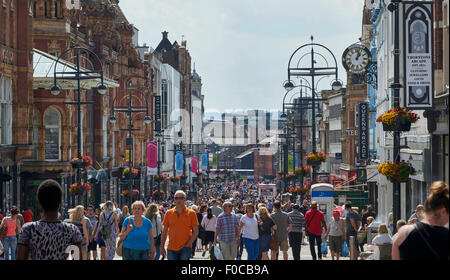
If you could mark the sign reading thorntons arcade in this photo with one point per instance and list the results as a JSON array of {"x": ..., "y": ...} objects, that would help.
[{"x": 418, "y": 54}]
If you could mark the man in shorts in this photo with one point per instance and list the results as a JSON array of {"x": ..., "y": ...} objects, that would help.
[
  {"x": 352, "y": 224},
  {"x": 284, "y": 226}
]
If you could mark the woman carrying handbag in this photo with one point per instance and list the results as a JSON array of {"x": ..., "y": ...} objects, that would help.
[
  {"x": 136, "y": 238},
  {"x": 9, "y": 227}
]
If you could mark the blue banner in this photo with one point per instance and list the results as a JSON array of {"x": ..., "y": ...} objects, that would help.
[
  {"x": 296, "y": 161},
  {"x": 204, "y": 161},
  {"x": 179, "y": 161}
]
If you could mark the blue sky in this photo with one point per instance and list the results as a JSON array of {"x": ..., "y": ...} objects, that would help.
[{"x": 241, "y": 48}]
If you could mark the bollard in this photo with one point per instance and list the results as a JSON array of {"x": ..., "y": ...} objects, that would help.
[{"x": 352, "y": 248}]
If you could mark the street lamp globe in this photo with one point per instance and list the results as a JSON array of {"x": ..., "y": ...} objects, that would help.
[
  {"x": 102, "y": 89},
  {"x": 289, "y": 86},
  {"x": 283, "y": 116},
  {"x": 148, "y": 120},
  {"x": 113, "y": 119},
  {"x": 336, "y": 85},
  {"x": 55, "y": 90},
  {"x": 318, "y": 117}
]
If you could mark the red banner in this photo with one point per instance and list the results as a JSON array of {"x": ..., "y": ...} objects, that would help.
[
  {"x": 194, "y": 166},
  {"x": 152, "y": 157}
]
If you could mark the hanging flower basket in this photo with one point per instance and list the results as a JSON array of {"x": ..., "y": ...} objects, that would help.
[
  {"x": 157, "y": 194},
  {"x": 398, "y": 119},
  {"x": 78, "y": 189},
  {"x": 302, "y": 171},
  {"x": 183, "y": 177},
  {"x": 199, "y": 173},
  {"x": 160, "y": 177},
  {"x": 397, "y": 171},
  {"x": 130, "y": 172},
  {"x": 134, "y": 193},
  {"x": 316, "y": 159},
  {"x": 174, "y": 179},
  {"x": 298, "y": 190},
  {"x": 125, "y": 193}
]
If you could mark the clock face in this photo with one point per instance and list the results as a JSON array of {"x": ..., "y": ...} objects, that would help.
[{"x": 356, "y": 59}]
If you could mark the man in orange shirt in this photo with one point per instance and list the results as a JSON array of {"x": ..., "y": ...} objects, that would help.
[{"x": 181, "y": 224}]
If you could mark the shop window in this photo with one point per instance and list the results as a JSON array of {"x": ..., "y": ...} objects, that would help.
[
  {"x": 52, "y": 123},
  {"x": 5, "y": 111}
]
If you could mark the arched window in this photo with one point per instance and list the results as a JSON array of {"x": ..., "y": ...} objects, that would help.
[{"x": 52, "y": 123}]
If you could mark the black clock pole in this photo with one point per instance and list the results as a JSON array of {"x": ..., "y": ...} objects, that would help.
[{"x": 396, "y": 210}]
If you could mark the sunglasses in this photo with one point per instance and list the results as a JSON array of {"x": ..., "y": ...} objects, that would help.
[{"x": 179, "y": 197}]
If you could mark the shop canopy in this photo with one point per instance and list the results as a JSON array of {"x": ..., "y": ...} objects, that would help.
[{"x": 43, "y": 75}]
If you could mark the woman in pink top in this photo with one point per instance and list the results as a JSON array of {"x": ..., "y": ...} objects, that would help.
[
  {"x": 10, "y": 241},
  {"x": 209, "y": 224}
]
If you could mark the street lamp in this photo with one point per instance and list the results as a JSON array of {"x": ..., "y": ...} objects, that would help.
[
  {"x": 312, "y": 72},
  {"x": 78, "y": 74},
  {"x": 129, "y": 110}
]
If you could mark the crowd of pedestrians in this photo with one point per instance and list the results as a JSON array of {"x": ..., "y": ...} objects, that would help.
[{"x": 222, "y": 217}]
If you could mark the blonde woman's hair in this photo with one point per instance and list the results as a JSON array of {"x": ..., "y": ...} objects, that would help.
[
  {"x": 370, "y": 219},
  {"x": 125, "y": 210},
  {"x": 152, "y": 211},
  {"x": 382, "y": 228},
  {"x": 263, "y": 212},
  {"x": 138, "y": 203},
  {"x": 108, "y": 206},
  {"x": 76, "y": 214}
]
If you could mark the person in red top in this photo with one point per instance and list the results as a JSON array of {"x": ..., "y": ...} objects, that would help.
[
  {"x": 315, "y": 221},
  {"x": 27, "y": 215}
]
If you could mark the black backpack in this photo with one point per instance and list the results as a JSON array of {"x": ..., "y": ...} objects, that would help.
[{"x": 106, "y": 227}]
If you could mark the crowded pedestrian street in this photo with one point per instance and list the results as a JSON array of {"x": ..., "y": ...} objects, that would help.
[{"x": 211, "y": 138}]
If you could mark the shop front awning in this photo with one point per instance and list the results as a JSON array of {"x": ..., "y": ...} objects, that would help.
[{"x": 43, "y": 75}]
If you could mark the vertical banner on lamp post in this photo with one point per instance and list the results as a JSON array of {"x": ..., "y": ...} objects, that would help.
[
  {"x": 215, "y": 161},
  {"x": 179, "y": 163},
  {"x": 158, "y": 113},
  {"x": 128, "y": 157},
  {"x": 291, "y": 163},
  {"x": 363, "y": 130},
  {"x": 152, "y": 158},
  {"x": 204, "y": 161},
  {"x": 296, "y": 161},
  {"x": 194, "y": 168},
  {"x": 418, "y": 49}
]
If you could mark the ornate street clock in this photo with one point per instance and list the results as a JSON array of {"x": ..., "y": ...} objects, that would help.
[{"x": 356, "y": 59}]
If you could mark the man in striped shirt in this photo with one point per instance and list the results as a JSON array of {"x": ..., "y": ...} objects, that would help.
[
  {"x": 295, "y": 235},
  {"x": 227, "y": 230}
]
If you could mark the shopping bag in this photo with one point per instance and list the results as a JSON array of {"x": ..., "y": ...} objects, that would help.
[
  {"x": 215, "y": 253},
  {"x": 323, "y": 248},
  {"x": 218, "y": 253},
  {"x": 345, "y": 252}
]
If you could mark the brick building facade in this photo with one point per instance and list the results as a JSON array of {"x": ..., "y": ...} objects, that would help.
[
  {"x": 16, "y": 70},
  {"x": 50, "y": 28}
]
